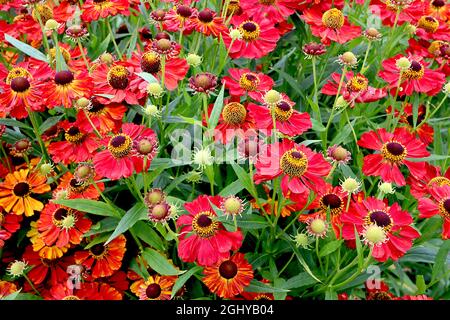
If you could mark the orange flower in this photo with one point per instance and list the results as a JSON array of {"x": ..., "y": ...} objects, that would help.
[
  {"x": 6, "y": 288},
  {"x": 229, "y": 277},
  {"x": 15, "y": 192},
  {"x": 45, "y": 252},
  {"x": 156, "y": 288},
  {"x": 102, "y": 260}
]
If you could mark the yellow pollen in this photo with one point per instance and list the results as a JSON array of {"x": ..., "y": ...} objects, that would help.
[
  {"x": 333, "y": 18},
  {"x": 16, "y": 73},
  {"x": 118, "y": 77},
  {"x": 439, "y": 181},
  {"x": 120, "y": 145},
  {"x": 234, "y": 113},
  {"x": 249, "y": 81},
  {"x": 429, "y": 24},
  {"x": 283, "y": 111},
  {"x": 394, "y": 151},
  {"x": 294, "y": 163},
  {"x": 358, "y": 83},
  {"x": 250, "y": 30},
  {"x": 44, "y": 11},
  {"x": 64, "y": 52},
  {"x": 205, "y": 224}
]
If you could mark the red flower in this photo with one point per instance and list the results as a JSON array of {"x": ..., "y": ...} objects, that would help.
[
  {"x": 180, "y": 18},
  {"x": 228, "y": 277},
  {"x": 430, "y": 28},
  {"x": 377, "y": 290},
  {"x": 97, "y": 9},
  {"x": 22, "y": 89},
  {"x": 235, "y": 120},
  {"x": 417, "y": 78},
  {"x": 387, "y": 10},
  {"x": 259, "y": 37},
  {"x": 101, "y": 260},
  {"x": 356, "y": 89},
  {"x": 394, "y": 150},
  {"x": 288, "y": 120},
  {"x": 44, "y": 270},
  {"x": 60, "y": 226},
  {"x": 175, "y": 69},
  {"x": 242, "y": 81},
  {"x": 105, "y": 117},
  {"x": 9, "y": 224},
  {"x": 203, "y": 239},
  {"x": 422, "y": 130},
  {"x": 118, "y": 80},
  {"x": 87, "y": 291},
  {"x": 301, "y": 169},
  {"x": 78, "y": 146},
  {"x": 122, "y": 157},
  {"x": 208, "y": 23},
  {"x": 69, "y": 187},
  {"x": 438, "y": 204},
  {"x": 385, "y": 228},
  {"x": 330, "y": 25},
  {"x": 66, "y": 87},
  {"x": 275, "y": 10},
  {"x": 432, "y": 178}
]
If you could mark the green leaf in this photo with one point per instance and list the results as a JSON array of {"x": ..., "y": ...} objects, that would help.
[
  {"x": 232, "y": 189},
  {"x": 184, "y": 278},
  {"x": 48, "y": 123},
  {"x": 128, "y": 220},
  {"x": 331, "y": 295},
  {"x": 440, "y": 264},
  {"x": 25, "y": 48},
  {"x": 105, "y": 225},
  {"x": 14, "y": 123},
  {"x": 217, "y": 109},
  {"x": 420, "y": 284},
  {"x": 147, "y": 77},
  {"x": 260, "y": 287},
  {"x": 246, "y": 222},
  {"x": 245, "y": 178},
  {"x": 89, "y": 206},
  {"x": 330, "y": 247},
  {"x": 144, "y": 232},
  {"x": 102, "y": 47},
  {"x": 299, "y": 281},
  {"x": 359, "y": 249},
  {"x": 12, "y": 296},
  {"x": 97, "y": 240},
  {"x": 279, "y": 283},
  {"x": 159, "y": 263}
]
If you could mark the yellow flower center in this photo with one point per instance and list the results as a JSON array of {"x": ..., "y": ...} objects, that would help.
[
  {"x": 234, "y": 113},
  {"x": 358, "y": 83},
  {"x": 294, "y": 163},
  {"x": 17, "y": 72},
  {"x": 282, "y": 110},
  {"x": 250, "y": 30},
  {"x": 429, "y": 24},
  {"x": 73, "y": 135},
  {"x": 415, "y": 71},
  {"x": 205, "y": 224},
  {"x": 43, "y": 11},
  {"x": 439, "y": 181},
  {"x": 64, "y": 52},
  {"x": 249, "y": 81},
  {"x": 151, "y": 62},
  {"x": 333, "y": 18},
  {"x": 380, "y": 218},
  {"x": 333, "y": 202},
  {"x": 71, "y": 298},
  {"x": 394, "y": 151},
  {"x": 120, "y": 145},
  {"x": 118, "y": 77}
]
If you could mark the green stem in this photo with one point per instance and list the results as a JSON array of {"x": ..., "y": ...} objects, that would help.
[
  {"x": 31, "y": 284},
  {"x": 116, "y": 47},
  {"x": 83, "y": 55},
  {"x": 44, "y": 35},
  {"x": 286, "y": 265},
  {"x": 313, "y": 60},
  {"x": 365, "y": 57},
  {"x": 205, "y": 108},
  {"x": 434, "y": 111},
  {"x": 36, "y": 132},
  {"x": 92, "y": 124}
]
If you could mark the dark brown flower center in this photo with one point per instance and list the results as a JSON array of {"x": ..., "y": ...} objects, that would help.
[
  {"x": 204, "y": 221},
  {"x": 60, "y": 214},
  {"x": 410, "y": 119},
  {"x": 228, "y": 269},
  {"x": 380, "y": 218},
  {"x": 438, "y": 3},
  {"x": 249, "y": 26},
  {"x": 415, "y": 66},
  {"x": 20, "y": 84},
  {"x": 96, "y": 106},
  {"x": 249, "y": 82},
  {"x": 395, "y": 148},
  {"x": 21, "y": 189},
  {"x": 205, "y": 16},
  {"x": 98, "y": 249},
  {"x": 184, "y": 11},
  {"x": 74, "y": 135},
  {"x": 447, "y": 205},
  {"x": 64, "y": 77},
  {"x": 332, "y": 201},
  {"x": 153, "y": 291}
]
